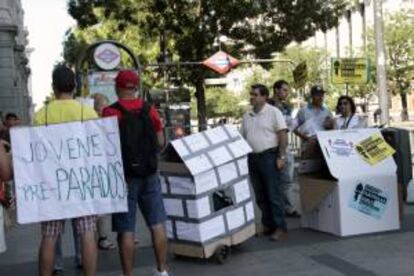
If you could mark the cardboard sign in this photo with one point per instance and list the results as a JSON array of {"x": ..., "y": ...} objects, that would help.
[
  {"x": 103, "y": 82},
  {"x": 374, "y": 149},
  {"x": 349, "y": 70},
  {"x": 342, "y": 153},
  {"x": 357, "y": 197},
  {"x": 369, "y": 200},
  {"x": 68, "y": 170}
]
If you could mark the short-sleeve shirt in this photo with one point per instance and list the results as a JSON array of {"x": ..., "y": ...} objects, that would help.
[
  {"x": 350, "y": 122},
  {"x": 134, "y": 105},
  {"x": 286, "y": 110},
  {"x": 313, "y": 117},
  {"x": 62, "y": 111},
  {"x": 260, "y": 129}
]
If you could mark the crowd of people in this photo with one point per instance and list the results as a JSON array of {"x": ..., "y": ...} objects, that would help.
[
  {"x": 271, "y": 164},
  {"x": 143, "y": 186},
  {"x": 266, "y": 126}
]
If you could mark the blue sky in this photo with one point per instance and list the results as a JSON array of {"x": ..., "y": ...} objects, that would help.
[{"x": 47, "y": 22}]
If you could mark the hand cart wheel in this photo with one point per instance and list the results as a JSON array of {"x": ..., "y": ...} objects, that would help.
[{"x": 221, "y": 254}]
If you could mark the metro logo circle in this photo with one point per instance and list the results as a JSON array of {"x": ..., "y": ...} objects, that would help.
[{"x": 107, "y": 56}]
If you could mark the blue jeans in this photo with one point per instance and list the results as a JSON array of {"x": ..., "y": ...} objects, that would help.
[
  {"x": 268, "y": 189},
  {"x": 145, "y": 192},
  {"x": 286, "y": 176},
  {"x": 59, "y": 252}
]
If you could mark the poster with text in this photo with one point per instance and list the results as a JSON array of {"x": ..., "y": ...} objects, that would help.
[{"x": 68, "y": 170}]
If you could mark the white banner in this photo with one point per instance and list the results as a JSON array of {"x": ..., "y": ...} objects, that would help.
[{"x": 68, "y": 170}]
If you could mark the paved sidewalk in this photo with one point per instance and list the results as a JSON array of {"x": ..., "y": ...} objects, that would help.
[{"x": 305, "y": 253}]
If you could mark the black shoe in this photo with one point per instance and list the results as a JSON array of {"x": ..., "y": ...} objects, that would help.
[
  {"x": 293, "y": 214},
  {"x": 57, "y": 272}
]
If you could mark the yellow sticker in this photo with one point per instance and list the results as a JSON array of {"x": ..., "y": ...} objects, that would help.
[{"x": 374, "y": 149}]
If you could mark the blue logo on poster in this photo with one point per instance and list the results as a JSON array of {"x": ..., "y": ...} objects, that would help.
[{"x": 369, "y": 200}]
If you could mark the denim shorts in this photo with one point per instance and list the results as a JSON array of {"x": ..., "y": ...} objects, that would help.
[{"x": 146, "y": 193}]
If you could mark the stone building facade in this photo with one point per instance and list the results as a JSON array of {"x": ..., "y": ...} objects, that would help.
[{"x": 14, "y": 71}]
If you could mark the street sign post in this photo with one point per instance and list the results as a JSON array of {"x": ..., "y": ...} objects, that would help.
[
  {"x": 300, "y": 74},
  {"x": 349, "y": 70}
]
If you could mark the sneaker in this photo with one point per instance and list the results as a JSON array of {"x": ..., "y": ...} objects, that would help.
[
  {"x": 105, "y": 244},
  {"x": 163, "y": 273}
]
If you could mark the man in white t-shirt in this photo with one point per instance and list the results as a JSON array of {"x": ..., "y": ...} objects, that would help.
[{"x": 264, "y": 128}]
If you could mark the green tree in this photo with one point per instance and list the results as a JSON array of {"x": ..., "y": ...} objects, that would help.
[
  {"x": 258, "y": 75},
  {"x": 399, "y": 40},
  {"x": 221, "y": 102},
  {"x": 257, "y": 28}
]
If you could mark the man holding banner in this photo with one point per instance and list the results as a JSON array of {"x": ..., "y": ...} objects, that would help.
[
  {"x": 141, "y": 137},
  {"x": 66, "y": 109}
]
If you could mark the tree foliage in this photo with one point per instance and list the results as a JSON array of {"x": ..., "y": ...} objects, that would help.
[
  {"x": 254, "y": 28},
  {"x": 399, "y": 40},
  {"x": 221, "y": 102}
]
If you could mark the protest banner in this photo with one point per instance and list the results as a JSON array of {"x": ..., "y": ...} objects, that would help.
[{"x": 68, "y": 170}]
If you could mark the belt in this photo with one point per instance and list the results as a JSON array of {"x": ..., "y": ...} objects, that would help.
[{"x": 271, "y": 150}]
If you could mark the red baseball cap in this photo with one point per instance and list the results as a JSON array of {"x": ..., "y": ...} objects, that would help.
[{"x": 127, "y": 79}]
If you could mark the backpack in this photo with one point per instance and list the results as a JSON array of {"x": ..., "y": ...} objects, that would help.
[{"x": 138, "y": 141}]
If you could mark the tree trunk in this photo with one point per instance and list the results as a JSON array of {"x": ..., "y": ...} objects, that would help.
[
  {"x": 404, "y": 111},
  {"x": 201, "y": 102}
]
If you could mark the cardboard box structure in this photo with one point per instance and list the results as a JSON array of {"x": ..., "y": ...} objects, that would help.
[
  {"x": 205, "y": 186},
  {"x": 351, "y": 196}
]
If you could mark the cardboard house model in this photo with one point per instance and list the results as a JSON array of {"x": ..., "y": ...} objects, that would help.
[
  {"x": 357, "y": 192},
  {"x": 206, "y": 187}
]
